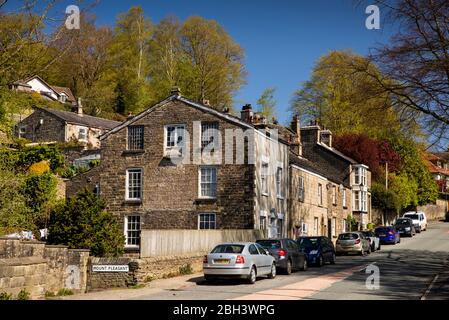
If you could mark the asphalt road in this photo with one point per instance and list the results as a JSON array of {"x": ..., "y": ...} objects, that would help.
[
  {"x": 406, "y": 271},
  {"x": 417, "y": 268}
]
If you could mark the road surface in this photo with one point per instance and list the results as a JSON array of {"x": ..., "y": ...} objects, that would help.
[{"x": 417, "y": 268}]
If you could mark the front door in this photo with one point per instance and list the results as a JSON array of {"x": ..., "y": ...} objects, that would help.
[{"x": 329, "y": 228}]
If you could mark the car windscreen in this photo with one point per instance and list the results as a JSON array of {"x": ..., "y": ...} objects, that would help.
[
  {"x": 270, "y": 244},
  {"x": 402, "y": 222},
  {"x": 382, "y": 230},
  {"x": 412, "y": 216},
  {"x": 348, "y": 236},
  {"x": 308, "y": 243},
  {"x": 228, "y": 248},
  {"x": 368, "y": 233}
]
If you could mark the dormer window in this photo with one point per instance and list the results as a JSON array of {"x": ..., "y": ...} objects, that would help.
[{"x": 63, "y": 98}]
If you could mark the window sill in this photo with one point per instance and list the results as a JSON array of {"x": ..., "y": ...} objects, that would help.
[
  {"x": 132, "y": 152},
  {"x": 132, "y": 201},
  {"x": 205, "y": 200},
  {"x": 265, "y": 194}
]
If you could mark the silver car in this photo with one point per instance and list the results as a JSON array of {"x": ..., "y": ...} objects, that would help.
[
  {"x": 245, "y": 260},
  {"x": 373, "y": 240},
  {"x": 352, "y": 242}
]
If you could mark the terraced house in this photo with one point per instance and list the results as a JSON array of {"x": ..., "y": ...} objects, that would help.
[{"x": 184, "y": 165}]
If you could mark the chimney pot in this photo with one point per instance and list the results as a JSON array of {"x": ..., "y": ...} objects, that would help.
[
  {"x": 176, "y": 90},
  {"x": 247, "y": 113},
  {"x": 206, "y": 102}
]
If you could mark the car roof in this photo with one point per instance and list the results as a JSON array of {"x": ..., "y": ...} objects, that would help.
[{"x": 235, "y": 243}]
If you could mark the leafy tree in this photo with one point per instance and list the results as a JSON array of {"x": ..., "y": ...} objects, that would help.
[
  {"x": 82, "y": 222},
  {"x": 129, "y": 56},
  {"x": 267, "y": 103},
  {"x": 344, "y": 100},
  {"x": 372, "y": 152}
]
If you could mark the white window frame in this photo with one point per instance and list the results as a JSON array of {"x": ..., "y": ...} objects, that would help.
[
  {"x": 22, "y": 130},
  {"x": 363, "y": 198},
  {"x": 86, "y": 136},
  {"x": 301, "y": 189},
  {"x": 200, "y": 182},
  {"x": 343, "y": 227},
  {"x": 356, "y": 202},
  {"x": 334, "y": 195},
  {"x": 142, "y": 131},
  {"x": 209, "y": 222},
  {"x": 127, "y": 184},
  {"x": 316, "y": 226},
  {"x": 126, "y": 230},
  {"x": 279, "y": 180},
  {"x": 334, "y": 227},
  {"x": 168, "y": 149},
  {"x": 264, "y": 178},
  {"x": 205, "y": 126},
  {"x": 320, "y": 194},
  {"x": 344, "y": 198},
  {"x": 63, "y": 97}
]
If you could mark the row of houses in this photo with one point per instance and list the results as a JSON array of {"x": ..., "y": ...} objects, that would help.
[{"x": 184, "y": 165}]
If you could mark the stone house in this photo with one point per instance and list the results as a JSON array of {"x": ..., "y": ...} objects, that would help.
[
  {"x": 183, "y": 165},
  {"x": 51, "y": 125},
  {"x": 349, "y": 189},
  {"x": 46, "y": 91},
  {"x": 438, "y": 165}
]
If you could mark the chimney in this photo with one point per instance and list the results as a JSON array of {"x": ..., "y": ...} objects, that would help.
[
  {"x": 225, "y": 110},
  {"x": 310, "y": 135},
  {"x": 176, "y": 91},
  {"x": 296, "y": 144},
  {"x": 130, "y": 116},
  {"x": 247, "y": 113},
  {"x": 326, "y": 137},
  {"x": 79, "y": 107}
]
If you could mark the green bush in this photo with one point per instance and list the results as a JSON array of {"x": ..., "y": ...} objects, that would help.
[
  {"x": 186, "y": 269},
  {"x": 83, "y": 223},
  {"x": 23, "y": 295},
  {"x": 65, "y": 292},
  {"x": 5, "y": 296}
]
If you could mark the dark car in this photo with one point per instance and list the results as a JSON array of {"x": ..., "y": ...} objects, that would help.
[
  {"x": 405, "y": 226},
  {"x": 318, "y": 250},
  {"x": 286, "y": 253},
  {"x": 387, "y": 234}
]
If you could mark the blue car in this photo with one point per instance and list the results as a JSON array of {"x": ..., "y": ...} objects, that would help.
[
  {"x": 387, "y": 235},
  {"x": 318, "y": 250}
]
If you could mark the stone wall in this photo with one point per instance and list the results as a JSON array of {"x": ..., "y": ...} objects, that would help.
[
  {"x": 89, "y": 180},
  {"x": 148, "y": 269},
  {"x": 435, "y": 211},
  {"x": 40, "y": 268},
  {"x": 104, "y": 280},
  {"x": 52, "y": 128}
]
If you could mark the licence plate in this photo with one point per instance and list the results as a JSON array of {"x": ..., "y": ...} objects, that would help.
[
  {"x": 221, "y": 261},
  {"x": 382, "y": 235}
]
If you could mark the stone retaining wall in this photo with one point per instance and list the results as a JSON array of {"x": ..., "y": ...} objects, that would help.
[
  {"x": 39, "y": 268},
  {"x": 105, "y": 280}
]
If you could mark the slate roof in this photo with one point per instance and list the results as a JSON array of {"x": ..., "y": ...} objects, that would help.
[
  {"x": 67, "y": 91},
  {"x": 85, "y": 120}
]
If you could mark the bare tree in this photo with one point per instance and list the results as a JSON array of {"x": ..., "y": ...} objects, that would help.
[{"x": 415, "y": 63}]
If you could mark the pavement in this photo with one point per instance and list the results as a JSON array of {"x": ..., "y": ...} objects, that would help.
[{"x": 415, "y": 269}]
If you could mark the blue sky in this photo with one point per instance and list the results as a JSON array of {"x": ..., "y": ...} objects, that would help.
[{"x": 282, "y": 39}]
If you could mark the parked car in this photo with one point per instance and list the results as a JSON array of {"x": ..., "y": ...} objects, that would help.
[
  {"x": 374, "y": 240},
  {"x": 387, "y": 234},
  {"x": 286, "y": 253},
  {"x": 404, "y": 226},
  {"x": 419, "y": 220},
  {"x": 353, "y": 242},
  {"x": 318, "y": 250},
  {"x": 245, "y": 260}
]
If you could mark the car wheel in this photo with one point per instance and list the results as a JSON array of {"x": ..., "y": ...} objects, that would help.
[
  {"x": 304, "y": 265},
  {"x": 333, "y": 258},
  {"x": 362, "y": 252},
  {"x": 378, "y": 247},
  {"x": 320, "y": 262},
  {"x": 208, "y": 278},
  {"x": 272, "y": 274},
  {"x": 252, "y": 275},
  {"x": 288, "y": 269},
  {"x": 373, "y": 247}
]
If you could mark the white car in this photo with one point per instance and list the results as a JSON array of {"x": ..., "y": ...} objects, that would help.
[
  {"x": 245, "y": 260},
  {"x": 419, "y": 220}
]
